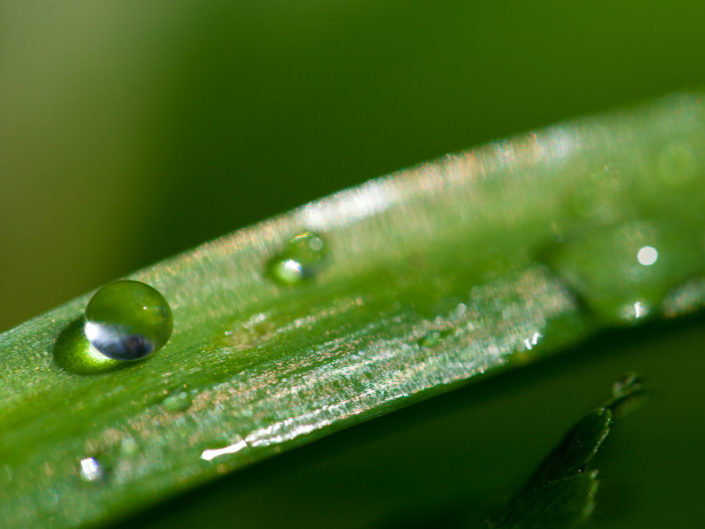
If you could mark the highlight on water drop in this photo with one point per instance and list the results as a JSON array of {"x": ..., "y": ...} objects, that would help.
[
  {"x": 647, "y": 255},
  {"x": 127, "y": 320},
  {"x": 91, "y": 470},
  {"x": 302, "y": 259}
]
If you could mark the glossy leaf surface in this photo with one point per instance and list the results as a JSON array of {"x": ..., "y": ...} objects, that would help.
[{"x": 433, "y": 277}]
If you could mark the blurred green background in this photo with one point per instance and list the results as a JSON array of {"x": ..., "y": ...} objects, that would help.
[{"x": 130, "y": 131}]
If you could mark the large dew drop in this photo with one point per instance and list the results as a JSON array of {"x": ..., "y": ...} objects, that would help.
[
  {"x": 127, "y": 320},
  {"x": 622, "y": 273},
  {"x": 302, "y": 258}
]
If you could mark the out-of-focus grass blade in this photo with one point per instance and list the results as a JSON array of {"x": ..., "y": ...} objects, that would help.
[
  {"x": 560, "y": 494},
  {"x": 437, "y": 275}
]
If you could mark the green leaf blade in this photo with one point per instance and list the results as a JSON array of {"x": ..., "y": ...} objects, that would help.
[
  {"x": 451, "y": 248},
  {"x": 560, "y": 494}
]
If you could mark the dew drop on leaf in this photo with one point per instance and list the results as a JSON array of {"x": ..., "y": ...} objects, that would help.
[
  {"x": 127, "y": 320},
  {"x": 430, "y": 339},
  {"x": 177, "y": 401},
  {"x": 622, "y": 273},
  {"x": 128, "y": 446},
  {"x": 434, "y": 337},
  {"x": 301, "y": 259},
  {"x": 626, "y": 385}
]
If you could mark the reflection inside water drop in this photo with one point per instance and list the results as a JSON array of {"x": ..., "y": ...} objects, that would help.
[{"x": 74, "y": 353}]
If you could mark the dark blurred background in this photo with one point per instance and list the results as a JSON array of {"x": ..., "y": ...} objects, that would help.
[{"x": 133, "y": 130}]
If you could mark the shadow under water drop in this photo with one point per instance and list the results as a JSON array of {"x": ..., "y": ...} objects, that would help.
[{"x": 74, "y": 353}]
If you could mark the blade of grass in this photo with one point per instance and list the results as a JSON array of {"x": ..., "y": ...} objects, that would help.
[
  {"x": 560, "y": 494},
  {"x": 436, "y": 277}
]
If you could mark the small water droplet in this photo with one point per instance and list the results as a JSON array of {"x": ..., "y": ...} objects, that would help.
[
  {"x": 91, "y": 469},
  {"x": 177, "y": 401},
  {"x": 301, "y": 259},
  {"x": 532, "y": 341},
  {"x": 430, "y": 339},
  {"x": 635, "y": 311},
  {"x": 249, "y": 333},
  {"x": 627, "y": 395},
  {"x": 127, "y": 320},
  {"x": 433, "y": 337},
  {"x": 626, "y": 385},
  {"x": 128, "y": 446}
]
